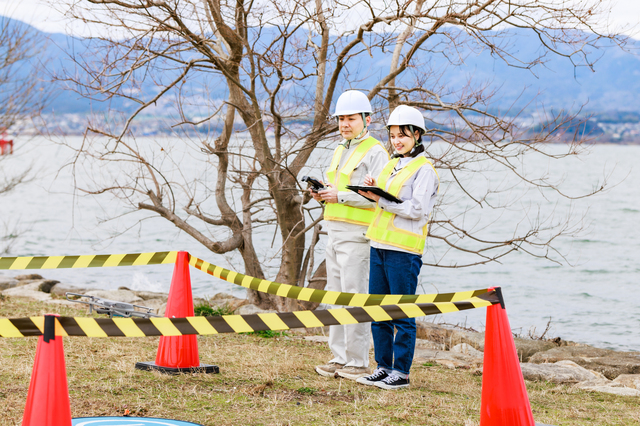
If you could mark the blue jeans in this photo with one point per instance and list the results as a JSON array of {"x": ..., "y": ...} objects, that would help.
[{"x": 394, "y": 272}]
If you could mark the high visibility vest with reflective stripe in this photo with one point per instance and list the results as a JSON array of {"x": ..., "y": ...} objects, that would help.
[
  {"x": 382, "y": 229},
  {"x": 341, "y": 178}
]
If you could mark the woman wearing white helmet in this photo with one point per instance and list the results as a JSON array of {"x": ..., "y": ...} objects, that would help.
[{"x": 398, "y": 234}]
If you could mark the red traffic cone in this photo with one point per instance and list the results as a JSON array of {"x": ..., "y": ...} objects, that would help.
[
  {"x": 504, "y": 396},
  {"x": 178, "y": 354},
  {"x": 48, "y": 398}
]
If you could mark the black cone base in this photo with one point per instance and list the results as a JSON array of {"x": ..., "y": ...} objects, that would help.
[{"x": 202, "y": 368}]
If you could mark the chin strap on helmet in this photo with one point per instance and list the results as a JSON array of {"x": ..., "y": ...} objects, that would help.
[
  {"x": 364, "y": 129},
  {"x": 413, "y": 136}
]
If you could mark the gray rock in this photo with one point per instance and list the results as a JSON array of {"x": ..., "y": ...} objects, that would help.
[
  {"x": 154, "y": 304},
  {"x": 608, "y": 387},
  {"x": 7, "y": 282},
  {"x": 28, "y": 277},
  {"x": 629, "y": 380},
  {"x": 29, "y": 291},
  {"x": 60, "y": 289},
  {"x": 251, "y": 309},
  {"x": 473, "y": 339},
  {"x": 610, "y": 363},
  {"x": 450, "y": 337},
  {"x": 126, "y": 296},
  {"x": 467, "y": 349},
  {"x": 444, "y": 335},
  {"x": 146, "y": 295},
  {"x": 601, "y": 381},
  {"x": 13, "y": 283},
  {"x": 219, "y": 296},
  {"x": 526, "y": 348},
  {"x": 428, "y": 344},
  {"x": 567, "y": 352},
  {"x": 561, "y": 372},
  {"x": 446, "y": 358},
  {"x": 232, "y": 303},
  {"x": 46, "y": 285}
]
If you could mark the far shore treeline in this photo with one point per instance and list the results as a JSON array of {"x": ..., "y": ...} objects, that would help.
[{"x": 602, "y": 99}]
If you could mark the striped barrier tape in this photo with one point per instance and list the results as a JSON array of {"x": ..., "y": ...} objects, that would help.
[
  {"x": 325, "y": 296},
  {"x": 261, "y": 285},
  {"x": 140, "y": 327},
  {"x": 88, "y": 261}
]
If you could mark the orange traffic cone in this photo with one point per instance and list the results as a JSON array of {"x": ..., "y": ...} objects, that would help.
[
  {"x": 504, "y": 396},
  {"x": 48, "y": 397},
  {"x": 177, "y": 354}
]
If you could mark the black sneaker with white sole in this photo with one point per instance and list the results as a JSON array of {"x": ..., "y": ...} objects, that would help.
[
  {"x": 393, "y": 382},
  {"x": 371, "y": 380}
]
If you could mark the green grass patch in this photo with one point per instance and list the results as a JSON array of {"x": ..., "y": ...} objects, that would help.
[
  {"x": 206, "y": 310},
  {"x": 307, "y": 391},
  {"x": 266, "y": 334}
]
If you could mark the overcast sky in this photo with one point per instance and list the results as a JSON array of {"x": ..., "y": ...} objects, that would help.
[{"x": 40, "y": 14}]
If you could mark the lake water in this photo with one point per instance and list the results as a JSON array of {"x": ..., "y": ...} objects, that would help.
[{"x": 594, "y": 301}]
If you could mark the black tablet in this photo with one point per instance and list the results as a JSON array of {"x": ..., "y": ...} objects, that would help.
[{"x": 376, "y": 190}]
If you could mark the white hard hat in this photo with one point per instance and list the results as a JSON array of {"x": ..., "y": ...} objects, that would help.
[
  {"x": 406, "y": 115},
  {"x": 352, "y": 102}
]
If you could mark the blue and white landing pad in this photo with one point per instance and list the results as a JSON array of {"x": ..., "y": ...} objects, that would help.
[{"x": 128, "y": 421}]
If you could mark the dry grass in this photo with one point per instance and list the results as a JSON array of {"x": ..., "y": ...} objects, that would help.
[{"x": 269, "y": 382}]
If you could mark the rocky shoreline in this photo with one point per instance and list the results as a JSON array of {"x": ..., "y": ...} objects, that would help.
[{"x": 556, "y": 361}]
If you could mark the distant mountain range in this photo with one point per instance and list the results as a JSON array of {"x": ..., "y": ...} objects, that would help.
[{"x": 613, "y": 86}]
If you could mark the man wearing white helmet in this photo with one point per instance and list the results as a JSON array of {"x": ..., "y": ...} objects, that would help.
[
  {"x": 398, "y": 233},
  {"x": 347, "y": 217}
]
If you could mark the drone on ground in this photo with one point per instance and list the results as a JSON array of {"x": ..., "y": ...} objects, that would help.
[{"x": 112, "y": 307}]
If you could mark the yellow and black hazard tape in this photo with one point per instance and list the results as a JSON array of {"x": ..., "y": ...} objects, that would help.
[
  {"x": 139, "y": 327},
  {"x": 261, "y": 285},
  {"x": 325, "y": 296},
  {"x": 88, "y": 261}
]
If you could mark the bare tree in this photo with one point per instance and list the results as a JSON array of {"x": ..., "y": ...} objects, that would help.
[
  {"x": 248, "y": 86},
  {"x": 21, "y": 93},
  {"x": 21, "y": 98}
]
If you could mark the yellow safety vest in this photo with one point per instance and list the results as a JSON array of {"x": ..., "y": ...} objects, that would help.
[
  {"x": 382, "y": 229},
  {"x": 340, "y": 179}
]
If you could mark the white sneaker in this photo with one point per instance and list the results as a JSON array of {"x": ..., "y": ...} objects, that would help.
[
  {"x": 393, "y": 382},
  {"x": 329, "y": 369},
  {"x": 371, "y": 380},
  {"x": 353, "y": 373}
]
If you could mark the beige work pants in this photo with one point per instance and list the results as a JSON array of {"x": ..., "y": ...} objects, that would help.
[{"x": 347, "y": 256}]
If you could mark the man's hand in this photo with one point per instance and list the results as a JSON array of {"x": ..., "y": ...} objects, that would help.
[
  {"x": 329, "y": 195},
  {"x": 315, "y": 195}
]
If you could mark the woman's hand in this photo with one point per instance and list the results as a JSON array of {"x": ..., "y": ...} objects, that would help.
[
  {"x": 370, "y": 195},
  {"x": 369, "y": 181}
]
